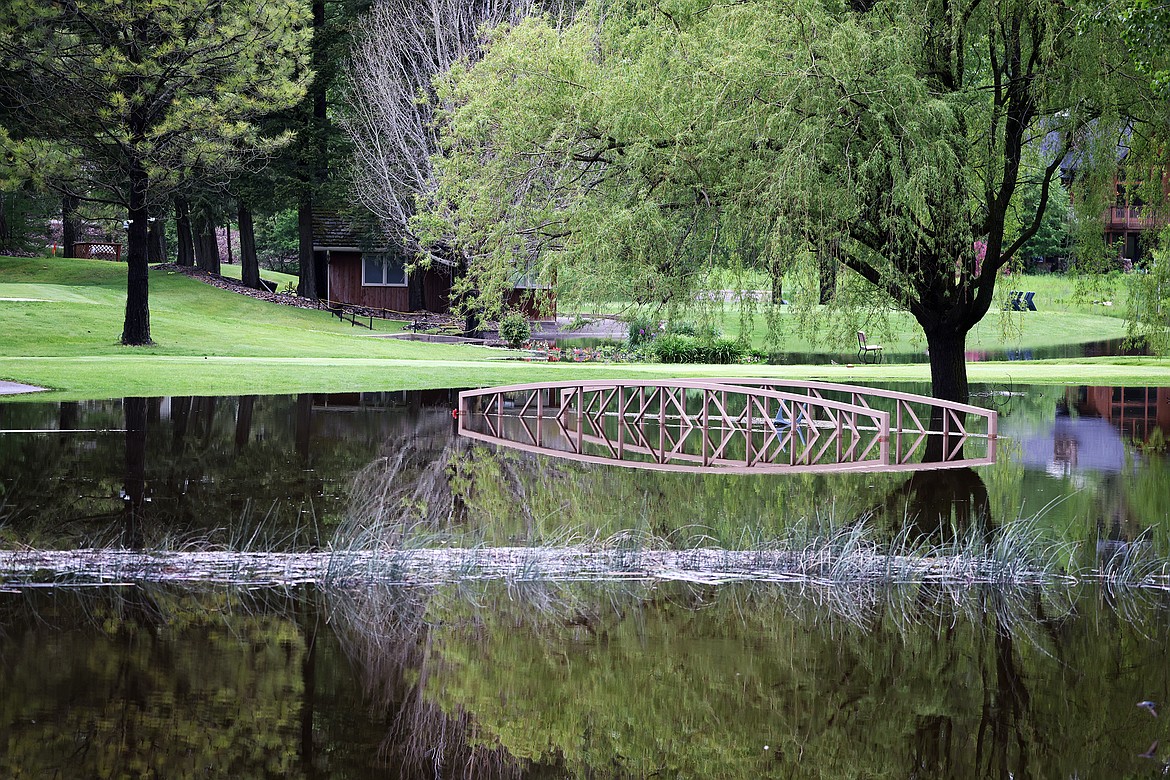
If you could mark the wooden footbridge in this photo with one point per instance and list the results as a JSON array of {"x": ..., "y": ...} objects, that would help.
[{"x": 738, "y": 425}]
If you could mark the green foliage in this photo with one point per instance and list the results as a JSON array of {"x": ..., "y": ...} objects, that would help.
[
  {"x": 641, "y": 151},
  {"x": 730, "y": 682},
  {"x": 24, "y": 222},
  {"x": 642, "y": 330},
  {"x": 144, "y": 96},
  {"x": 680, "y": 348},
  {"x": 515, "y": 329},
  {"x": 277, "y": 241},
  {"x": 145, "y": 657},
  {"x": 1053, "y": 238},
  {"x": 1145, "y": 29},
  {"x": 675, "y": 348},
  {"x": 175, "y": 87},
  {"x": 1149, "y": 301},
  {"x": 704, "y": 332}
]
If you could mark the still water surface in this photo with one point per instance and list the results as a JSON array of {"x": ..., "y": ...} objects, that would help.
[
  {"x": 671, "y": 681},
  {"x": 510, "y": 680}
]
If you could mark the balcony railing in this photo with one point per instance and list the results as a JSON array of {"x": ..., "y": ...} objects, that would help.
[{"x": 1131, "y": 217}]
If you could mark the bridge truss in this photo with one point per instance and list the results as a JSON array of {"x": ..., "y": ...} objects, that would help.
[{"x": 745, "y": 425}]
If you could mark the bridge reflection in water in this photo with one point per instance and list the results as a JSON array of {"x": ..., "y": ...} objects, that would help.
[{"x": 745, "y": 425}]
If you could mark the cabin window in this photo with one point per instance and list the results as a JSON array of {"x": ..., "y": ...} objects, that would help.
[
  {"x": 383, "y": 270},
  {"x": 528, "y": 278}
]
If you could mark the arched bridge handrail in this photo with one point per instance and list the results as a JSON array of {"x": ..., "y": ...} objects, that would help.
[
  {"x": 879, "y": 415},
  {"x": 874, "y": 391}
]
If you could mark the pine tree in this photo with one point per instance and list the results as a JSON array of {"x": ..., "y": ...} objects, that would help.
[{"x": 147, "y": 93}]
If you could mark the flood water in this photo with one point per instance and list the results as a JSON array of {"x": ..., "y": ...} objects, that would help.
[
  {"x": 1108, "y": 347},
  {"x": 529, "y": 679}
]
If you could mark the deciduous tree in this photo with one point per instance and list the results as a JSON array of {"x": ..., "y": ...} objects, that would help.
[
  {"x": 626, "y": 155},
  {"x": 390, "y": 106}
]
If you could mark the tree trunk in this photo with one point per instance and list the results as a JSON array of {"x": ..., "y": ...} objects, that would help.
[
  {"x": 308, "y": 283},
  {"x": 208, "y": 408},
  {"x": 185, "y": 251},
  {"x": 249, "y": 262},
  {"x": 227, "y": 231},
  {"x": 777, "y": 285},
  {"x": 211, "y": 249},
  {"x": 156, "y": 235},
  {"x": 416, "y": 290},
  {"x": 941, "y": 507},
  {"x": 948, "y": 365},
  {"x": 317, "y": 164},
  {"x": 206, "y": 247},
  {"x": 828, "y": 281},
  {"x": 180, "y": 417},
  {"x": 136, "y": 329},
  {"x": 67, "y": 417},
  {"x": 309, "y": 623},
  {"x": 134, "y": 487},
  {"x": 244, "y": 421},
  {"x": 68, "y": 225},
  {"x": 948, "y": 382},
  {"x": 303, "y": 432}
]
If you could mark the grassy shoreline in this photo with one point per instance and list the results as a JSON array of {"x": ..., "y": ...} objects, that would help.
[
  {"x": 60, "y": 319},
  {"x": 81, "y": 378}
]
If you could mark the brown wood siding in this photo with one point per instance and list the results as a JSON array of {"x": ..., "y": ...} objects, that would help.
[
  {"x": 345, "y": 285},
  {"x": 436, "y": 291},
  {"x": 536, "y": 304}
]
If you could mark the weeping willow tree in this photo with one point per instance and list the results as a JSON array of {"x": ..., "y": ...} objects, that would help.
[{"x": 880, "y": 148}]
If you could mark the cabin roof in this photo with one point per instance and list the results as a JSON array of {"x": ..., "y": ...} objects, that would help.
[{"x": 333, "y": 230}]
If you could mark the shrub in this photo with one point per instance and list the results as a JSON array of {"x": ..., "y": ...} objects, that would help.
[
  {"x": 515, "y": 329},
  {"x": 676, "y": 348},
  {"x": 673, "y": 348},
  {"x": 704, "y": 333},
  {"x": 723, "y": 351},
  {"x": 642, "y": 330}
]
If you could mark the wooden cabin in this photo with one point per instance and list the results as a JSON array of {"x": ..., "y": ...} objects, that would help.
[{"x": 362, "y": 273}]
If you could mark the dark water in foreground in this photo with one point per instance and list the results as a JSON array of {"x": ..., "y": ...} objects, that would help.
[
  {"x": 489, "y": 682},
  {"x": 520, "y": 680}
]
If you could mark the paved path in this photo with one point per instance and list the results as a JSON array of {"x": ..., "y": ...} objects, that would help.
[
  {"x": 13, "y": 388},
  {"x": 601, "y": 327}
]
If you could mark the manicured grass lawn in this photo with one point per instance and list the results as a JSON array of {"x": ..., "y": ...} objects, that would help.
[
  {"x": 1016, "y": 330},
  {"x": 77, "y": 309},
  {"x": 282, "y": 281},
  {"x": 210, "y": 341},
  {"x": 136, "y": 375},
  {"x": 1070, "y": 310}
]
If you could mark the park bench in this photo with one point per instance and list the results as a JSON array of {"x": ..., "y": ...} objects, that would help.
[
  {"x": 865, "y": 349},
  {"x": 1019, "y": 300}
]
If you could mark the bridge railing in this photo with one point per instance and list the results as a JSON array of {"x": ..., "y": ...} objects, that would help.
[{"x": 699, "y": 424}]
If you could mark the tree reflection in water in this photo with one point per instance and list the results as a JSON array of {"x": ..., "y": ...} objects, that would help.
[
  {"x": 579, "y": 680},
  {"x": 941, "y": 507},
  {"x": 678, "y": 681},
  {"x": 844, "y": 679}
]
